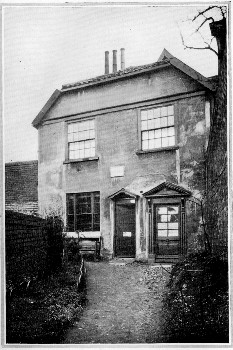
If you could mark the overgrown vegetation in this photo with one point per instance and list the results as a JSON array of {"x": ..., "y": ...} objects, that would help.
[
  {"x": 41, "y": 306},
  {"x": 43, "y": 312},
  {"x": 195, "y": 306}
]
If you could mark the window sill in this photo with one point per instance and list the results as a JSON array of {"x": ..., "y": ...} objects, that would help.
[
  {"x": 80, "y": 160},
  {"x": 157, "y": 150}
]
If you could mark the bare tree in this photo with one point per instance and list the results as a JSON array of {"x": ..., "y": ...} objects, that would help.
[{"x": 201, "y": 19}]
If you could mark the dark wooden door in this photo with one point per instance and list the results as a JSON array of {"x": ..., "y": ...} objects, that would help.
[
  {"x": 125, "y": 229},
  {"x": 167, "y": 230}
]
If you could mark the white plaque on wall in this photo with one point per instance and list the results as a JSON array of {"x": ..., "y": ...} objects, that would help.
[
  {"x": 117, "y": 171},
  {"x": 127, "y": 234}
]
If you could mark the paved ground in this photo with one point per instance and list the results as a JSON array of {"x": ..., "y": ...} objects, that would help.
[{"x": 120, "y": 309}]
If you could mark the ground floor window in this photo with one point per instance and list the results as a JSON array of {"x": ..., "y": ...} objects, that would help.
[{"x": 83, "y": 211}]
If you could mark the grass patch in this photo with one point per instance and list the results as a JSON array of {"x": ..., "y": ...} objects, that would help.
[{"x": 42, "y": 313}]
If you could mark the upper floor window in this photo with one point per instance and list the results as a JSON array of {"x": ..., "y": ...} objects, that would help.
[
  {"x": 81, "y": 139},
  {"x": 157, "y": 127}
]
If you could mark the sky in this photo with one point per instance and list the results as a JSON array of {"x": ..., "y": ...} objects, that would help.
[{"x": 45, "y": 47}]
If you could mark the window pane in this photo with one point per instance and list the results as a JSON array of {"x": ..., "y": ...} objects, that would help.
[
  {"x": 162, "y": 233},
  {"x": 171, "y": 141},
  {"x": 173, "y": 209},
  {"x": 150, "y": 114},
  {"x": 91, "y": 124},
  {"x": 70, "y": 128},
  {"x": 70, "y": 203},
  {"x": 92, "y": 134},
  {"x": 173, "y": 233},
  {"x": 92, "y": 152},
  {"x": 144, "y": 125},
  {"x": 170, "y": 120},
  {"x": 71, "y": 155},
  {"x": 92, "y": 143},
  {"x": 70, "y": 137},
  {"x": 81, "y": 153},
  {"x": 151, "y": 124},
  {"x": 151, "y": 144},
  {"x": 87, "y": 144},
  {"x": 170, "y": 110},
  {"x": 157, "y": 133},
  {"x": 70, "y": 223},
  {"x": 158, "y": 143},
  {"x": 145, "y": 135},
  {"x": 87, "y": 152},
  {"x": 162, "y": 226},
  {"x": 163, "y": 122},
  {"x": 145, "y": 144},
  {"x": 165, "y": 142},
  {"x": 143, "y": 115},
  {"x": 164, "y": 132},
  {"x": 170, "y": 131},
  {"x": 157, "y": 112},
  {"x": 151, "y": 134},
  {"x": 173, "y": 225},
  {"x": 162, "y": 210},
  {"x": 163, "y": 111}
]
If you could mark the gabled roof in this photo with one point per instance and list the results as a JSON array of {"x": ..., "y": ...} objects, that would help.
[
  {"x": 165, "y": 55},
  {"x": 165, "y": 60},
  {"x": 122, "y": 192},
  {"x": 177, "y": 190}
]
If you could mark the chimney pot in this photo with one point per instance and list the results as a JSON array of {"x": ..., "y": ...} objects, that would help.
[
  {"x": 114, "y": 64},
  {"x": 106, "y": 62},
  {"x": 122, "y": 59}
]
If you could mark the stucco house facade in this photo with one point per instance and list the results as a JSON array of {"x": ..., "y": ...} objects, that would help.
[{"x": 121, "y": 156}]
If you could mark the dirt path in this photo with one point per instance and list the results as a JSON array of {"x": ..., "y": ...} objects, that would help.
[{"x": 120, "y": 309}]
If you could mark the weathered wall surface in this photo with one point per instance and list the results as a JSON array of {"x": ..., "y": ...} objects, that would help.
[
  {"x": 117, "y": 143},
  {"x": 52, "y": 141},
  {"x": 21, "y": 182},
  {"x": 162, "y": 83},
  {"x": 217, "y": 177},
  {"x": 192, "y": 142}
]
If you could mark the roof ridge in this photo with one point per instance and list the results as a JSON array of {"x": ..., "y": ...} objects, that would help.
[{"x": 124, "y": 72}]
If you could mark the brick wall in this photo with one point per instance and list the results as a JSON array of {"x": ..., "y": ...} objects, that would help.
[
  {"x": 21, "y": 181},
  {"x": 217, "y": 183},
  {"x": 25, "y": 244}
]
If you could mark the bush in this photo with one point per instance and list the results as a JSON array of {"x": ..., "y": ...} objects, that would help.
[
  {"x": 42, "y": 313},
  {"x": 196, "y": 301},
  {"x": 54, "y": 228}
]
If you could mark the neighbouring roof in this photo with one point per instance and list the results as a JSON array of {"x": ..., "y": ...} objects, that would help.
[
  {"x": 165, "y": 59},
  {"x": 21, "y": 182}
]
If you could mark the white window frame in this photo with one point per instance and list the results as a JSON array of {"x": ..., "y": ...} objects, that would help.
[
  {"x": 81, "y": 139},
  {"x": 147, "y": 134}
]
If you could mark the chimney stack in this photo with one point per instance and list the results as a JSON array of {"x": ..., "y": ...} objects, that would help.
[
  {"x": 122, "y": 59},
  {"x": 114, "y": 62},
  {"x": 106, "y": 62}
]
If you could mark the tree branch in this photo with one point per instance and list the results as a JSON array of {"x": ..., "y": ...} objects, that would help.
[
  {"x": 208, "y": 47},
  {"x": 206, "y": 19},
  {"x": 201, "y": 13}
]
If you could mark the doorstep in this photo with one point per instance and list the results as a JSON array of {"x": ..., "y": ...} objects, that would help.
[{"x": 121, "y": 261}]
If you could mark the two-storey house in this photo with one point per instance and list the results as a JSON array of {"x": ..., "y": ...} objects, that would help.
[{"x": 120, "y": 155}]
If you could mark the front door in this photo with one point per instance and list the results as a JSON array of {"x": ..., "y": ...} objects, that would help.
[
  {"x": 125, "y": 228},
  {"x": 167, "y": 231}
]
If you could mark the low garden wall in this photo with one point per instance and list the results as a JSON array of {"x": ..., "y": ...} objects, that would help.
[{"x": 26, "y": 244}]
